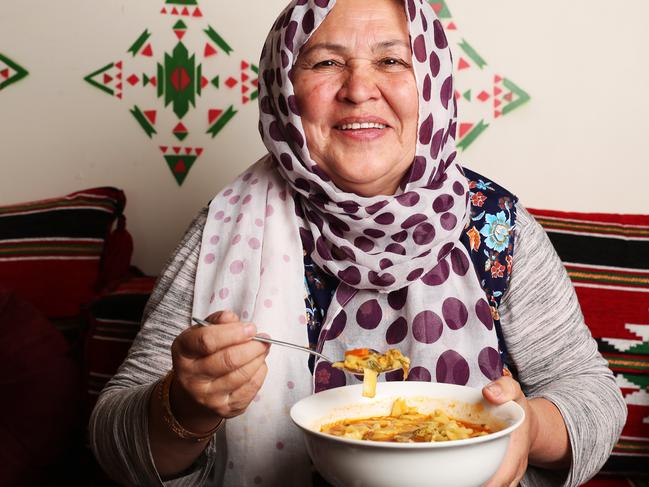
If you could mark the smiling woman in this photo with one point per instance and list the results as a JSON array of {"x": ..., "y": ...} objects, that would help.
[
  {"x": 358, "y": 97},
  {"x": 359, "y": 229}
]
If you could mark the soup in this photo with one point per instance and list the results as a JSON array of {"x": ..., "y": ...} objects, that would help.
[{"x": 407, "y": 425}]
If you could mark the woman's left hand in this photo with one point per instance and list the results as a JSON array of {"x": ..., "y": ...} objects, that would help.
[{"x": 514, "y": 464}]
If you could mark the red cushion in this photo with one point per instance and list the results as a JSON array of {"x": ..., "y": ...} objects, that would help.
[
  {"x": 51, "y": 250},
  {"x": 606, "y": 256},
  {"x": 39, "y": 410},
  {"x": 114, "y": 321}
]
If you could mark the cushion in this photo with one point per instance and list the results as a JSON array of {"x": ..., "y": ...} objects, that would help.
[
  {"x": 51, "y": 251},
  {"x": 114, "y": 321},
  {"x": 39, "y": 410},
  {"x": 606, "y": 256}
]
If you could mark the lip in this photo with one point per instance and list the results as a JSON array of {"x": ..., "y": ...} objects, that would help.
[{"x": 365, "y": 135}]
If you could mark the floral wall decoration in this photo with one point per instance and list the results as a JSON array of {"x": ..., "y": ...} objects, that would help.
[
  {"x": 483, "y": 95},
  {"x": 200, "y": 90},
  {"x": 10, "y": 72}
]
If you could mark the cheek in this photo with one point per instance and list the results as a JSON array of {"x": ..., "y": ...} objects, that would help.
[
  {"x": 410, "y": 104},
  {"x": 405, "y": 101},
  {"x": 317, "y": 100}
]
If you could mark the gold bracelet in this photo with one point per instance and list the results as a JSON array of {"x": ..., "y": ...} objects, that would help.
[{"x": 170, "y": 419}]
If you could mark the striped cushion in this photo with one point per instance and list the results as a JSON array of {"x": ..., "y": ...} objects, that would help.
[
  {"x": 50, "y": 250},
  {"x": 114, "y": 321},
  {"x": 607, "y": 258}
]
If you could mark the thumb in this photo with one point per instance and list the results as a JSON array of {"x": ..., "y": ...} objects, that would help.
[
  {"x": 222, "y": 317},
  {"x": 503, "y": 389}
]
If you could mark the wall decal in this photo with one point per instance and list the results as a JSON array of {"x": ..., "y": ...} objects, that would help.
[
  {"x": 483, "y": 95},
  {"x": 198, "y": 86},
  {"x": 10, "y": 72}
]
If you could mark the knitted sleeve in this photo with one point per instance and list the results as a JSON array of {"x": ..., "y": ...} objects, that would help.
[
  {"x": 556, "y": 356},
  {"x": 118, "y": 426}
]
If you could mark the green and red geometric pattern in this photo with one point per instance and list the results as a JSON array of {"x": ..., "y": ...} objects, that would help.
[
  {"x": 10, "y": 72},
  {"x": 482, "y": 95},
  {"x": 198, "y": 85},
  {"x": 606, "y": 258}
]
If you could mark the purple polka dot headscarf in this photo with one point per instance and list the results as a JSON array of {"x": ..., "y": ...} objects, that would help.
[
  {"x": 380, "y": 243},
  {"x": 406, "y": 281}
]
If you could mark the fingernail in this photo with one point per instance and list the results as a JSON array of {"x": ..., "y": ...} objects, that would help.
[
  {"x": 250, "y": 329},
  {"x": 494, "y": 389}
]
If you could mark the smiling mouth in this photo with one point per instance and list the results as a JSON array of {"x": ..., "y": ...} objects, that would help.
[{"x": 359, "y": 126}]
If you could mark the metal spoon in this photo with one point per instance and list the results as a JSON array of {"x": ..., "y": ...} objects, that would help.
[{"x": 291, "y": 345}]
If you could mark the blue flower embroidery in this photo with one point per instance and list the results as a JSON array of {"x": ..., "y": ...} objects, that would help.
[
  {"x": 484, "y": 186},
  {"x": 496, "y": 229}
]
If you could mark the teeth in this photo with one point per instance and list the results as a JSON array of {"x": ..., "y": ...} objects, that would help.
[{"x": 364, "y": 125}]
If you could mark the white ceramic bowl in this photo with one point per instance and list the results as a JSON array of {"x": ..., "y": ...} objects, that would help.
[{"x": 356, "y": 463}]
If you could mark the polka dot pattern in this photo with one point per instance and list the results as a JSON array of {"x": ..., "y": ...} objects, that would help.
[
  {"x": 452, "y": 368},
  {"x": 369, "y": 314},
  {"x": 490, "y": 363},
  {"x": 337, "y": 325},
  {"x": 427, "y": 327},
  {"x": 483, "y": 312},
  {"x": 455, "y": 313},
  {"x": 405, "y": 280},
  {"x": 397, "y": 331},
  {"x": 420, "y": 374}
]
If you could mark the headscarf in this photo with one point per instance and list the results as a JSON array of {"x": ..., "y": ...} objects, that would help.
[{"x": 406, "y": 280}]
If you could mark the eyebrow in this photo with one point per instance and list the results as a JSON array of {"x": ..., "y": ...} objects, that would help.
[{"x": 339, "y": 48}]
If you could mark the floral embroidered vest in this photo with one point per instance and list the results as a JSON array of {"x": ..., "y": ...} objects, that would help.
[{"x": 488, "y": 236}]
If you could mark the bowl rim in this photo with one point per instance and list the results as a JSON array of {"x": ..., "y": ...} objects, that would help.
[{"x": 520, "y": 412}]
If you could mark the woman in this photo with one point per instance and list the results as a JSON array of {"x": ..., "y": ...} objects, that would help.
[{"x": 358, "y": 115}]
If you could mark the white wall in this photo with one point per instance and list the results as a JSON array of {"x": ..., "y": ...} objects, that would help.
[{"x": 580, "y": 144}]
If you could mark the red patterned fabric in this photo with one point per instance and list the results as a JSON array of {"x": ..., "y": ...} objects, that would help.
[
  {"x": 114, "y": 321},
  {"x": 51, "y": 250},
  {"x": 607, "y": 259}
]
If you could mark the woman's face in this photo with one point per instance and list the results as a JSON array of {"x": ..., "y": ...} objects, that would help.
[{"x": 357, "y": 95}]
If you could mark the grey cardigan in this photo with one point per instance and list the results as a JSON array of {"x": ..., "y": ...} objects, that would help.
[{"x": 542, "y": 325}]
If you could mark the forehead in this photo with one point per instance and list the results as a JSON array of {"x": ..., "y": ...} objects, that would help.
[{"x": 351, "y": 20}]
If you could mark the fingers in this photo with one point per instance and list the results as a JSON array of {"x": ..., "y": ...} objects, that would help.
[
  {"x": 201, "y": 341},
  {"x": 502, "y": 390},
  {"x": 230, "y": 395},
  {"x": 513, "y": 467},
  {"x": 243, "y": 395},
  {"x": 219, "y": 367},
  {"x": 235, "y": 359}
]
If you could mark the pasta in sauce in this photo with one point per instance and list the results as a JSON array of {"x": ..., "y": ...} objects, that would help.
[
  {"x": 371, "y": 364},
  {"x": 406, "y": 425}
]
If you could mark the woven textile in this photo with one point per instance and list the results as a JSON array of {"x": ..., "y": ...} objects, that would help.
[
  {"x": 607, "y": 259},
  {"x": 51, "y": 250},
  {"x": 114, "y": 321}
]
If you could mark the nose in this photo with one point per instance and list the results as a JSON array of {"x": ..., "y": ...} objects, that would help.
[{"x": 360, "y": 84}]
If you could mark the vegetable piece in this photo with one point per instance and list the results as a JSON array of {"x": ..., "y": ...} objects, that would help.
[{"x": 358, "y": 352}]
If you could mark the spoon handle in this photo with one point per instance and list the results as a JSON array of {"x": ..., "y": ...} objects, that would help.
[
  {"x": 290, "y": 345},
  {"x": 272, "y": 340}
]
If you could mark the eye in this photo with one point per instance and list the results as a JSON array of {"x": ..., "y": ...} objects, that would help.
[
  {"x": 327, "y": 63},
  {"x": 393, "y": 63}
]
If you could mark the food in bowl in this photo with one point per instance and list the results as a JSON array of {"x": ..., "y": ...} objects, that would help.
[
  {"x": 346, "y": 461},
  {"x": 406, "y": 424},
  {"x": 371, "y": 363}
]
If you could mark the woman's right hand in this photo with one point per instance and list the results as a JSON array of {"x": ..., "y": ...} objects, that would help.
[{"x": 217, "y": 371}]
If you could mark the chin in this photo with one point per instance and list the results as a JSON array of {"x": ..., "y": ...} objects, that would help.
[{"x": 365, "y": 184}]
